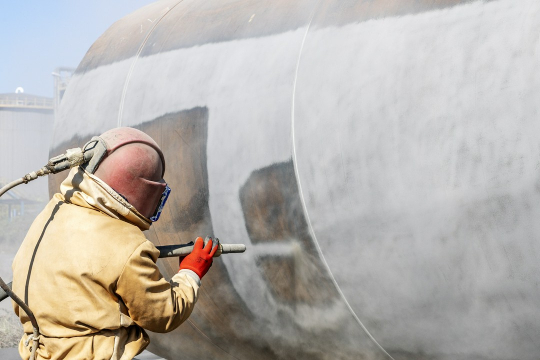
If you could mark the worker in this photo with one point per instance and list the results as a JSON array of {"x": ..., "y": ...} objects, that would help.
[{"x": 85, "y": 268}]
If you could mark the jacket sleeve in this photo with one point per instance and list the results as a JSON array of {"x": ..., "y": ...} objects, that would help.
[{"x": 151, "y": 301}]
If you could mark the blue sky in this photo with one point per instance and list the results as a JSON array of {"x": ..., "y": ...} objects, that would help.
[{"x": 38, "y": 35}]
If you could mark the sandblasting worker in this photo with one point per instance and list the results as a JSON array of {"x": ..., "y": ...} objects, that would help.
[{"x": 87, "y": 271}]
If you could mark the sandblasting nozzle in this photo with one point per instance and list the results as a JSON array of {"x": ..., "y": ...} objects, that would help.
[{"x": 186, "y": 249}]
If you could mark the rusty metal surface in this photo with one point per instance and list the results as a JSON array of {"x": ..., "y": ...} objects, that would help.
[{"x": 379, "y": 158}]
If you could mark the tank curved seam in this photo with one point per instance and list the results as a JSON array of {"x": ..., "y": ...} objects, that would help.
[
  {"x": 132, "y": 67},
  {"x": 304, "y": 207},
  {"x": 208, "y": 339}
]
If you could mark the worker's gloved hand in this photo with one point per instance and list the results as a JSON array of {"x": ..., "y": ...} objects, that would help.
[{"x": 200, "y": 259}]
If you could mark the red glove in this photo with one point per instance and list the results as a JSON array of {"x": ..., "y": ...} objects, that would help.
[{"x": 200, "y": 260}]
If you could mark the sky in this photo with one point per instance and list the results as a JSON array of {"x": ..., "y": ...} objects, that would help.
[{"x": 38, "y": 36}]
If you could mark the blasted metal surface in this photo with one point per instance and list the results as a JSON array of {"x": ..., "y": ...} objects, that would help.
[
  {"x": 146, "y": 355},
  {"x": 378, "y": 158}
]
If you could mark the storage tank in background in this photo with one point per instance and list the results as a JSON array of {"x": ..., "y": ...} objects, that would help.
[{"x": 26, "y": 123}]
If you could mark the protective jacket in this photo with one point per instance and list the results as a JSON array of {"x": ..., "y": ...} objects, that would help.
[{"x": 90, "y": 277}]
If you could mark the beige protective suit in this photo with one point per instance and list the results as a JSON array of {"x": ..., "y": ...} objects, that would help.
[{"x": 90, "y": 277}]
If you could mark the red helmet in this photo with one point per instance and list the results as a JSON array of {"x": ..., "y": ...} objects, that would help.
[{"x": 133, "y": 166}]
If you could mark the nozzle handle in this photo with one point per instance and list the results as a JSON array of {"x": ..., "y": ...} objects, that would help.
[{"x": 186, "y": 249}]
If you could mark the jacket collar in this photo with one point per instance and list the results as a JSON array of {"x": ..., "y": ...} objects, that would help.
[{"x": 84, "y": 189}]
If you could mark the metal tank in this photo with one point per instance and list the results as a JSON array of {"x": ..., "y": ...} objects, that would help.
[
  {"x": 380, "y": 159},
  {"x": 26, "y": 125}
]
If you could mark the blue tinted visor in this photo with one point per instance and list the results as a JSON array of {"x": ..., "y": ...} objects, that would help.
[{"x": 162, "y": 202}]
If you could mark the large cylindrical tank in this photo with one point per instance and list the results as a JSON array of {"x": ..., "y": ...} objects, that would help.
[
  {"x": 380, "y": 159},
  {"x": 26, "y": 126}
]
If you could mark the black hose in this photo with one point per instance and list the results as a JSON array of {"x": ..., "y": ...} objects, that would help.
[
  {"x": 3, "y": 294},
  {"x": 26, "y": 309}
]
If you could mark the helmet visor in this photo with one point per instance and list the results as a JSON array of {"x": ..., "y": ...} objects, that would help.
[{"x": 161, "y": 204}]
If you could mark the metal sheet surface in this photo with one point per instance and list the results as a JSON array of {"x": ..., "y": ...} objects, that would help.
[{"x": 378, "y": 158}]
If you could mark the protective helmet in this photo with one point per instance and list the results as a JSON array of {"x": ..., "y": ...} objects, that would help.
[{"x": 131, "y": 162}]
